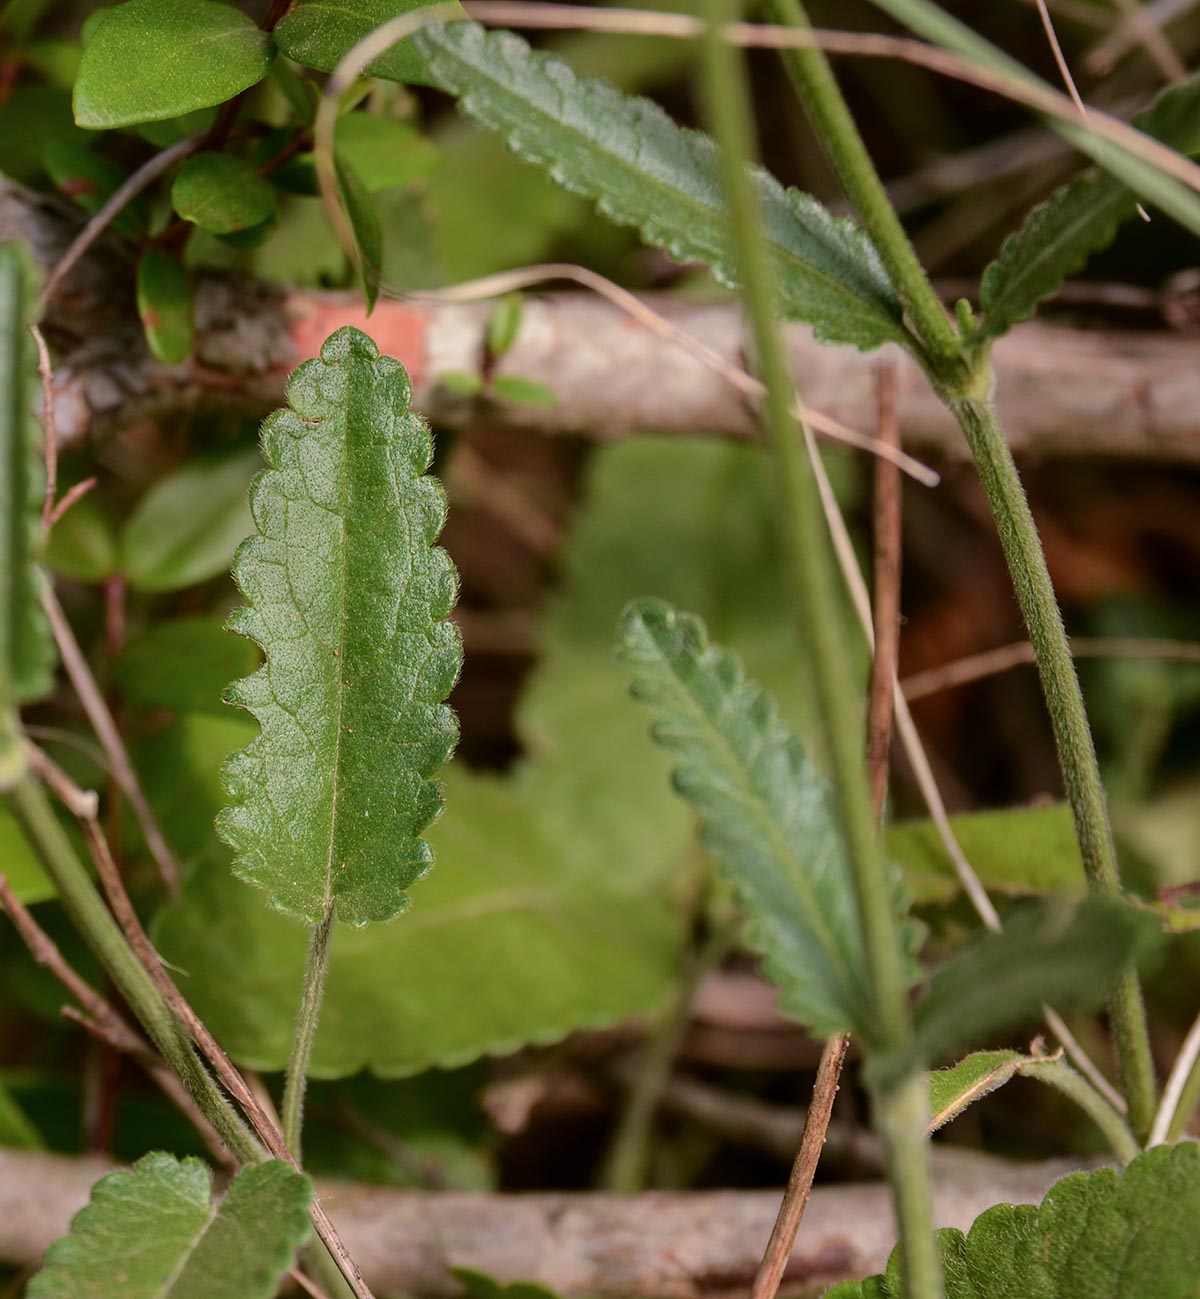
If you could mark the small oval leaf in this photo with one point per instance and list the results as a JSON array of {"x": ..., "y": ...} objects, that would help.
[
  {"x": 164, "y": 302},
  {"x": 222, "y": 194},
  {"x": 152, "y": 59}
]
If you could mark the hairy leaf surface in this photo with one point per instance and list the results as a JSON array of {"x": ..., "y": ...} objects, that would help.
[
  {"x": 348, "y": 598},
  {"x": 766, "y": 815},
  {"x": 154, "y": 1232},
  {"x": 26, "y": 656},
  {"x": 1100, "y": 1235},
  {"x": 646, "y": 172},
  {"x": 954, "y": 1089},
  {"x": 1078, "y": 220}
]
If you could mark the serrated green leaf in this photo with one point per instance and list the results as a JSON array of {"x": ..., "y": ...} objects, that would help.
[
  {"x": 955, "y": 1089},
  {"x": 766, "y": 816},
  {"x": 1100, "y": 1235},
  {"x": 349, "y": 598},
  {"x": 183, "y": 665},
  {"x": 1045, "y": 954},
  {"x": 89, "y": 180},
  {"x": 188, "y": 525},
  {"x": 1018, "y": 852},
  {"x": 164, "y": 303},
  {"x": 153, "y": 1232},
  {"x": 319, "y": 33},
  {"x": 646, "y": 172},
  {"x": 1078, "y": 220},
  {"x": 222, "y": 194},
  {"x": 152, "y": 59},
  {"x": 26, "y": 653},
  {"x": 384, "y": 153}
]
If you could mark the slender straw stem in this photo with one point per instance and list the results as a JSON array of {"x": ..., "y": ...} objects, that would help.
[
  {"x": 292, "y": 1114},
  {"x": 902, "y": 1109},
  {"x": 1182, "y": 1092},
  {"x": 810, "y": 71}
]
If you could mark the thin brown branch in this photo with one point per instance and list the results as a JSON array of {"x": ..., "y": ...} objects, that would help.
[
  {"x": 975, "y": 667},
  {"x": 101, "y": 718}
]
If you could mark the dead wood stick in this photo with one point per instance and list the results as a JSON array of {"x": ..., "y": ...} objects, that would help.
[
  {"x": 1062, "y": 391},
  {"x": 657, "y": 1245}
]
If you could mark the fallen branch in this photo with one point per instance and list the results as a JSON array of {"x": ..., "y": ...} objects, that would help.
[
  {"x": 658, "y": 1245},
  {"x": 1063, "y": 392}
]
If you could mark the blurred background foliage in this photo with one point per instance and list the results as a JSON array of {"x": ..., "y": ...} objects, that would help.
[{"x": 569, "y": 888}]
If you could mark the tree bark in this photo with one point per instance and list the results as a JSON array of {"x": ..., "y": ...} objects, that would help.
[
  {"x": 694, "y": 1245},
  {"x": 1062, "y": 391}
]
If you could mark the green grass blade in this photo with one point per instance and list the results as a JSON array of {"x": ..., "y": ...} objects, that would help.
[
  {"x": 348, "y": 598},
  {"x": 644, "y": 171}
]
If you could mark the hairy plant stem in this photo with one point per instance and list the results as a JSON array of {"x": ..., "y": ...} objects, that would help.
[
  {"x": 92, "y": 919},
  {"x": 901, "y": 1108},
  {"x": 1059, "y": 1075},
  {"x": 292, "y": 1113},
  {"x": 966, "y": 391},
  {"x": 976, "y": 415},
  {"x": 835, "y": 129}
]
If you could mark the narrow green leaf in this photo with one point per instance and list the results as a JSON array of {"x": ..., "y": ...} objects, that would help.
[
  {"x": 349, "y": 598},
  {"x": 1100, "y": 1235},
  {"x": 952, "y": 1090},
  {"x": 26, "y": 654},
  {"x": 153, "y": 1232},
  {"x": 1018, "y": 852},
  {"x": 188, "y": 525},
  {"x": 1045, "y": 954},
  {"x": 152, "y": 59},
  {"x": 364, "y": 220},
  {"x": 17, "y": 1131},
  {"x": 646, "y": 172},
  {"x": 524, "y": 392},
  {"x": 222, "y": 194},
  {"x": 89, "y": 180},
  {"x": 1078, "y": 220},
  {"x": 766, "y": 816},
  {"x": 384, "y": 153},
  {"x": 20, "y": 864},
  {"x": 164, "y": 303},
  {"x": 183, "y": 665},
  {"x": 319, "y": 33}
]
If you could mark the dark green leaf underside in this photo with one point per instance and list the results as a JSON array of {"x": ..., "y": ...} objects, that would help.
[
  {"x": 644, "y": 171},
  {"x": 766, "y": 815}
]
